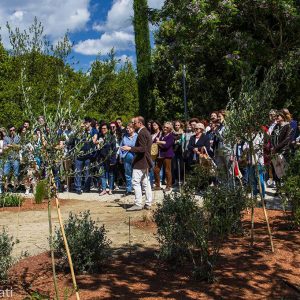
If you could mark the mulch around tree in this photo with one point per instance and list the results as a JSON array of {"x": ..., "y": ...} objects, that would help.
[{"x": 241, "y": 273}]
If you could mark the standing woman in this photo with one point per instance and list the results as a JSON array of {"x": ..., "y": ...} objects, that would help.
[
  {"x": 293, "y": 126},
  {"x": 129, "y": 139},
  {"x": 165, "y": 156},
  {"x": 156, "y": 132},
  {"x": 177, "y": 161},
  {"x": 196, "y": 143},
  {"x": 108, "y": 159},
  {"x": 1, "y": 160}
]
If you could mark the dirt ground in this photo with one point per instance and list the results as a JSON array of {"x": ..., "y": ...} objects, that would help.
[
  {"x": 241, "y": 273},
  {"x": 135, "y": 272},
  {"x": 29, "y": 224}
]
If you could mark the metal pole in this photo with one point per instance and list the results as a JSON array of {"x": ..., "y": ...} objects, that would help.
[{"x": 184, "y": 93}]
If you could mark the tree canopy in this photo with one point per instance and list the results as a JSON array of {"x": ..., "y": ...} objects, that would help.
[
  {"x": 40, "y": 68},
  {"x": 219, "y": 42}
]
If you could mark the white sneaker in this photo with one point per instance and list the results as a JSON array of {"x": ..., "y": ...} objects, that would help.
[{"x": 27, "y": 192}]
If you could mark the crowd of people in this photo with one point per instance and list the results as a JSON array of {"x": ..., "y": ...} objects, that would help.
[{"x": 109, "y": 152}]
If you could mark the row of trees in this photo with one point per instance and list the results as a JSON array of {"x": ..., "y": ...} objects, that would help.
[
  {"x": 33, "y": 64},
  {"x": 220, "y": 42}
]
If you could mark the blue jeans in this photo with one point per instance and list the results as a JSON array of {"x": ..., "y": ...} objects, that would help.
[
  {"x": 1, "y": 168},
  {"x": 254, "y": 180},
  {"x": 128, "y": 172},
  {"x": 56, "y": 174},
  {"x": 107, "y": 175},
  {"x": 12, "y": 164},
  {"x": 82, "y": 165}
]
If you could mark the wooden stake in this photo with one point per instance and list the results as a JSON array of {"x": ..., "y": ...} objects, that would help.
[
  {"x": 52, "y": 184},
  {"x": 129, "y": 235},
  {"x": 66, "y": 246},
  {"x": 51, "y": 249},
  {"x": 252, "y": 224}
]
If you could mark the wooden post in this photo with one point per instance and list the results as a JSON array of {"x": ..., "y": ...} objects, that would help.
[
  {"x": 66, "y": 246},
  {"x": 51, "y": 248},
  {"x": 252, "y": 222},
  {"x": 52, "y": 183}
]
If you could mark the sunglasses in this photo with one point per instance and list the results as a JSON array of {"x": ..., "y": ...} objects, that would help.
[{"x": 12, "y": 130}]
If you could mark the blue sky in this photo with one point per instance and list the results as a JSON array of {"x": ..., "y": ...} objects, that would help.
[{"x": 94, "y": 25}]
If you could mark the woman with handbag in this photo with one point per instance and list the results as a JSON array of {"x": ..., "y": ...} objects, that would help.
[
  {"x": 196, "y": 143},
  {"x": 165, "y": 156},
  {"x": 156, "y": 132}
]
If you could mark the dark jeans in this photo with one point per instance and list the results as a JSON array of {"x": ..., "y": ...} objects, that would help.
[
  {"x": 80, "y": 166},
  {"x": 177, "y": 168},
  {"x": 56, "y": 174}
]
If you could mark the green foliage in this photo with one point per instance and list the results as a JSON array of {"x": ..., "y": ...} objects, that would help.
[
  {"x": 88, "y": 243},
  {"x": 249, "y": 110},
  {"x": 290, "y": 188},
  {"x": 6, "y": 248},
  {"x": 219, "y": 42},
  {"x": 143, "y": 54},
  {"x": 117, "y": 95},
  {"x": 41, "y": 191},
  {"x": 40, "y": 70},
  {"x": 11, "y": 200},
  {"x": 182, "y": 233},
  {"x": 224, "y": 204},
  {"x": 198, "y": 179},
  {"x": 192, "y": 233}
]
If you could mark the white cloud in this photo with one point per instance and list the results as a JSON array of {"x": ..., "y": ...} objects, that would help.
[
  {"x": 17, "y": 16},
  {"x": 116, "y": 32},
  {"x": 119, "y": 40},
  {"x": 119, "y": 17},
  {"x": 57, "y": 16}
]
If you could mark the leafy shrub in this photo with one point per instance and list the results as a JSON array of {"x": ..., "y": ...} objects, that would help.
[
  {"x": 88, "y": 243},
  {"x": 41, "y": 191},
  {"x": 290, "y": 188},
  {"x": 11, "y": 200},
  {"x": 224, "y": 205},
  {"x": 189, "y": 232},
  {"x": 6, "y": 259},
  {"x": 182, "y": 233},
  {"x": 198, "y": 179}
]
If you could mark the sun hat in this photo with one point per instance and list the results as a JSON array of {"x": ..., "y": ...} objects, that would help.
[{"x": 199, "y": 126}]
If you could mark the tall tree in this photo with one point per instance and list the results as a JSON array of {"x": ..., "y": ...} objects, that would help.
[
  {"x": 143, "y": 54},
  {"x": 219, "y": 42}
]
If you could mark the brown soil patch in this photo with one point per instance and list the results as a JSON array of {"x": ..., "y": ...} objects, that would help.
[
  {"x": 242, "y": 273},
  {"x": 146, "y": 225},
  {"x": 29, "y": 205}
]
